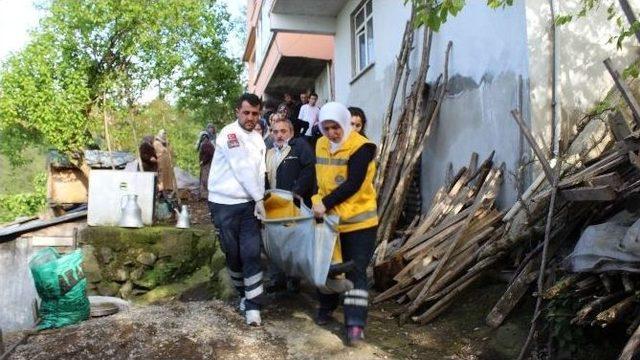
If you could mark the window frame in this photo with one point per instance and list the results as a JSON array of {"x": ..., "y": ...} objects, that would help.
[{"x": 362, "y": 30}]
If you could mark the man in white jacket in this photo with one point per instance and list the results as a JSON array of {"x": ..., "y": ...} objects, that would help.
[{"x": 236, "y": 192}]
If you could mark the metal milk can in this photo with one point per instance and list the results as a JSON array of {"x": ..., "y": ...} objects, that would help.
[
  {"x": 131, "y": 214},
  {"x": 183, "y": 218}
]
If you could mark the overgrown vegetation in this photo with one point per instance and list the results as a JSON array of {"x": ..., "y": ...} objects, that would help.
[
  {"x": 90, "y": 57},
  {"x": 24, "y": 204},
  {"x": 181, "y": 128}
]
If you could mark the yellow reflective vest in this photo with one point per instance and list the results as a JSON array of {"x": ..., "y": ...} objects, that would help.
[{"x": 359, "y": 211}]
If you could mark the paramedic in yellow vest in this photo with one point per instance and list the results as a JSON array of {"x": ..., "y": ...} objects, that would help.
[{"x": 345, "y": 169}]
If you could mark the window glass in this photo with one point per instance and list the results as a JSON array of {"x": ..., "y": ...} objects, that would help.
[
  {"x": 368, "y": 6},
  {"x": 370, "y": 41},
  {"x": 359, "y": 18},
  {"x": 362, "y": 51}
]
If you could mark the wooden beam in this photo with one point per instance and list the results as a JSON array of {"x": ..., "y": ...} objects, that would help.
[
  {"x": 595, "y": 193},
  {"x": 619, "y": 126},
  {"x": 532, "y": 142},
  {"x": 631, "y": 17},
  {"x": 624, "y": 89},
  {"x": 611, "y": 179}
]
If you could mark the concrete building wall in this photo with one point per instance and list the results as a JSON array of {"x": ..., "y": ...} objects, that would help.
[
  {"x": 323, "y": 86},
  {"x": 582, "y": 79},
  {"x": 370, "y": 90},
  {"x": 488, "y": 59}
]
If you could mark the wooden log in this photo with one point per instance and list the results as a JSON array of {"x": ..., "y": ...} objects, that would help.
[
  {"x": 615, "y": 313},
  {"x": 583, "y": 315},
  {"x": 634, "y": 324},
  {"x": 444, "y": 303},
  {"x": 595, "y": 193},
  {"x": 425, "y": 270},
  {"x": 489, "y": 191},
  {"x": 434, "y": 241},
  {"x": 546, "y": 167},
  {"x": 631, "y": 348},
  {"x": 449, "y": 221},
  {"x": 392, "y": 291},
  {"x": 611, "y": 179},
  {"x": 512, "y": 295},
  {"x": 624, "y": 90},
  {"x": 479, "y": 267},
  {"x": 602, "y": 166},
  {"x": 562, "y": 286}
]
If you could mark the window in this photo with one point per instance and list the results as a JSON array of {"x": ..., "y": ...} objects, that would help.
[{"x": 362, "y": 26}]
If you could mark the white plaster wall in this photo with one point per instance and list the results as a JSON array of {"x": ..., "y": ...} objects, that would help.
[
  {"x": 488, "y": 58},
  {"x": 370, "y": 91},
  {"x": 582, "y": 45},
  {"x": 322, "y": 86}
]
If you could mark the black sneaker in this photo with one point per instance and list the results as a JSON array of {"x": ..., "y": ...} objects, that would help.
[
  {"x": 355, "y": 336},
  {"x": 323, "y": 317}
]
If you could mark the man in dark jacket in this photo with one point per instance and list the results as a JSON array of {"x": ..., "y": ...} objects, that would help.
[
  {"x": 290, "y": 163},
  {"x": 291, "y": 167}
]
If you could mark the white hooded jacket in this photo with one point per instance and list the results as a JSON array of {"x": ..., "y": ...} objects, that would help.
[{"x": 238, "y": 168}]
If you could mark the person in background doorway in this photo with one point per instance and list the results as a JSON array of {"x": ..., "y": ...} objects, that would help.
[
  {"x": 206, "y": 148},
  {"x": 289, "y": 103},
  {"x": 290, "y": 167},
  {"x": 309, "y": 116},
  {"x": 148, "y": 154},
  {"x": 236, "y": 193},
  {"x": 166, "y": 176},
  {"x": 304, "y": 99},
  {"x": 345, "y": 169},
  {"x": 358, "y": 120}
]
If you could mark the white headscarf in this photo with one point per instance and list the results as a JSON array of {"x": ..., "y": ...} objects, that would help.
[{"x": 339, "y": 113}]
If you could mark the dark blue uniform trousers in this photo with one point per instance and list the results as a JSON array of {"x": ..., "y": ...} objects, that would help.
[
  {"x": 358, "y": 246},
  {"x": 240, "y": 240}
]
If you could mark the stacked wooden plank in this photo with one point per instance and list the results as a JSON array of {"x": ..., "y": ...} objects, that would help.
[
  {"x": 438, "y": 258},
  {"x": 588, "y": 194}
]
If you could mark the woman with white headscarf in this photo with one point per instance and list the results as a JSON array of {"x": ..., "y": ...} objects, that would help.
[{"x": 345, "y": 169}]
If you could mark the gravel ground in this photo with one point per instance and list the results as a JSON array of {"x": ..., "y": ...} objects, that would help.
[{"x": 194, "y": 330}]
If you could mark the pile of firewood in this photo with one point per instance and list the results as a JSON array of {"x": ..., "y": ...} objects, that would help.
[
  {"x": 437, "y": 258},
  {"x": 587, "y": 193}
]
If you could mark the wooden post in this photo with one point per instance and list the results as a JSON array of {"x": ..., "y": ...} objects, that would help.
[
  {"x": 1, "y": 342},
  {"x": 548, "y": 172},
  {"x": 624, "y": 89},
  {"x": 631, "y": 17},
  {"x": 106, "y": 131}
]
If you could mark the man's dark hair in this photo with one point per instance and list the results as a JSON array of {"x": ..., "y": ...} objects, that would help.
[
  {"x": 313, "y": 94},
  {"x": 252, "y": 99}
]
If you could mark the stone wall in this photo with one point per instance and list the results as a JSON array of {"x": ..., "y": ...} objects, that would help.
[{"x": 149, "y": 263}]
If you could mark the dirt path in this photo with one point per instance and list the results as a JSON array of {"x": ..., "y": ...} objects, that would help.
[{"x": 213, "y": 330}]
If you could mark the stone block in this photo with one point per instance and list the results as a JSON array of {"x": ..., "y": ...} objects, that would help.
[
  {"x": 121, "y": 275},
  {"x": 146, "y": 258},
  {"x": 108, "y": 288},
  {"x": 106, "y": 254},
  {"x": 90, "y": 265}
]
